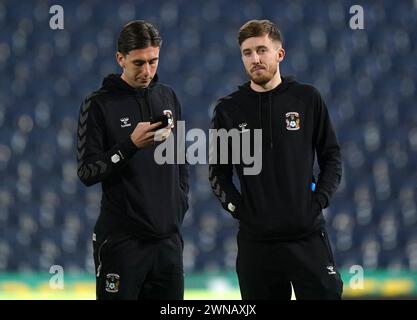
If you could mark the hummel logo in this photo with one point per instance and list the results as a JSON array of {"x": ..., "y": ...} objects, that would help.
[
  {"x": 330, "y": 270},
  {"x": 242, "y": 127},
  {"x": 125, "y": 122}
]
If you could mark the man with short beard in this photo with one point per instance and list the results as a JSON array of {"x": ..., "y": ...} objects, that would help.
[{"x": 282, "y": 238}]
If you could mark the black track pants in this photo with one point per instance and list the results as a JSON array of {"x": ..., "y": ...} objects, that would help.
[
  {"x": 129, "y": 268},
  {"x": 266, "y": 270}
]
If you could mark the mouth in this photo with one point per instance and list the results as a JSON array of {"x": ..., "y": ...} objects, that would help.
[
  {"x": 257, "y": 68},
  {"x": 143, "y": 79}
]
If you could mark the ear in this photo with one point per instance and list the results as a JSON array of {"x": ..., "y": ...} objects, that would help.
[
  {"x": 120, "y": 59},
  {"x": 280, "y": 54}
]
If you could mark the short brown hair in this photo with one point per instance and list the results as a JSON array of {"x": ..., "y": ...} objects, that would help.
[{"x": 257, "y": 28}]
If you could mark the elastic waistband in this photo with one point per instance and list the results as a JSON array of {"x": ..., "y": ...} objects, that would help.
[
  {"x": 245, "y": 234},
  {"x": 110, "y": 225}
]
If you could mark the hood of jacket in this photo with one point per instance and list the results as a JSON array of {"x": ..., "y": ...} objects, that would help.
[
  {"x": 113, "y": 83},
  {"x": 246, "y": 89}
]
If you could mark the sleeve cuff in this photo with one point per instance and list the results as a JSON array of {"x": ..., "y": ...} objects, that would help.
[
  {"x": 128, "y": 148},
  {"x": 321, "y": 199},
  {"x": 233, "y": 208}
]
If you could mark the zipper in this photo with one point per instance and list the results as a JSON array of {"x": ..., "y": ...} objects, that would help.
[
  {"x": 99, "y": 257},
  {"x": 327, "y": 245},
  {"x": 148, "y": 102}
]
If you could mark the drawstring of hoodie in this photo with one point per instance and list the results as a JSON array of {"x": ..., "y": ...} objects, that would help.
[
  {"x": 140, "y": 107},
  {"x": 260, "y": 110},
  {"x": 270, "y": 121},
  {"x": 271, "y": 143},
  {"x": 148, "y": 102}
]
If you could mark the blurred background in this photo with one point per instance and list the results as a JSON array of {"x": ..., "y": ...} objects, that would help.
[{"x": 367, "y": 77}]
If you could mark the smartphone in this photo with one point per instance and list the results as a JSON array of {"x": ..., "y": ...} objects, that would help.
[
  {"x": 162, "y": 118},
  {"x": 166, "y": 119}
]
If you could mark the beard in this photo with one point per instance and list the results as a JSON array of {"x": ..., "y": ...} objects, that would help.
[{"x": 262, "y": 77}]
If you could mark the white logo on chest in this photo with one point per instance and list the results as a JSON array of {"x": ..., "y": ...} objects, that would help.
[
  {"x": 125, "y": 122},
  {"x": 242, "y": 127}
]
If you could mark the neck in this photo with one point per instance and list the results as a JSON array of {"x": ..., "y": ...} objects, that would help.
[
  {"x": 132, "y": 84},
  {"x": 271, "y": 84}
]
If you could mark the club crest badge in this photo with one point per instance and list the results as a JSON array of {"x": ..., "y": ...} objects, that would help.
[
  {"x": 292, "y": 119},
  {"x": 112, "y": 282},
  {"x": 168, "y": 113}
]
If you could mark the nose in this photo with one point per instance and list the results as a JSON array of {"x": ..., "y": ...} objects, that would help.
[
  {"x": 255, "y": 58},
  {"x": 146, "y": 69}
]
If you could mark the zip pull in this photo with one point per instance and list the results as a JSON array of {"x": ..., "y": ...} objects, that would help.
[
  {"x": 99, "y": 258},
  {"x": 98, "y": 271}
]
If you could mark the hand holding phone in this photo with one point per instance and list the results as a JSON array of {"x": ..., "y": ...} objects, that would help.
[
  {"x": 162, "y": 118},
  {"x": 166, "y": 118}
]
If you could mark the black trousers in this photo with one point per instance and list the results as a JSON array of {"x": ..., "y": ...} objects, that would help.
[
  {"x": 128, "y": 268},
  {"x": 266, "y": 270}
]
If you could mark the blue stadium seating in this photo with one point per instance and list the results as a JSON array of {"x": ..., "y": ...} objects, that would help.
[{"x": 367, "y": 77}]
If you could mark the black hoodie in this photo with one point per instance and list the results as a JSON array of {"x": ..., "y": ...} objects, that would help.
[
  {"x": 139, "y": 196},
  {"x": 279, "y": 203}
]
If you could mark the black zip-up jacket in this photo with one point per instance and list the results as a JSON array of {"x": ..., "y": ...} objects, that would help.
[
  {"x": 139, "y": 196},
  {"x": 279, "y": 202}
]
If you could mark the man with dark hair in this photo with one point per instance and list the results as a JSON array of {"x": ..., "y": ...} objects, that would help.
[
  {"x": 137, "y": 241},
  {"x": 282, "y": 238}
]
